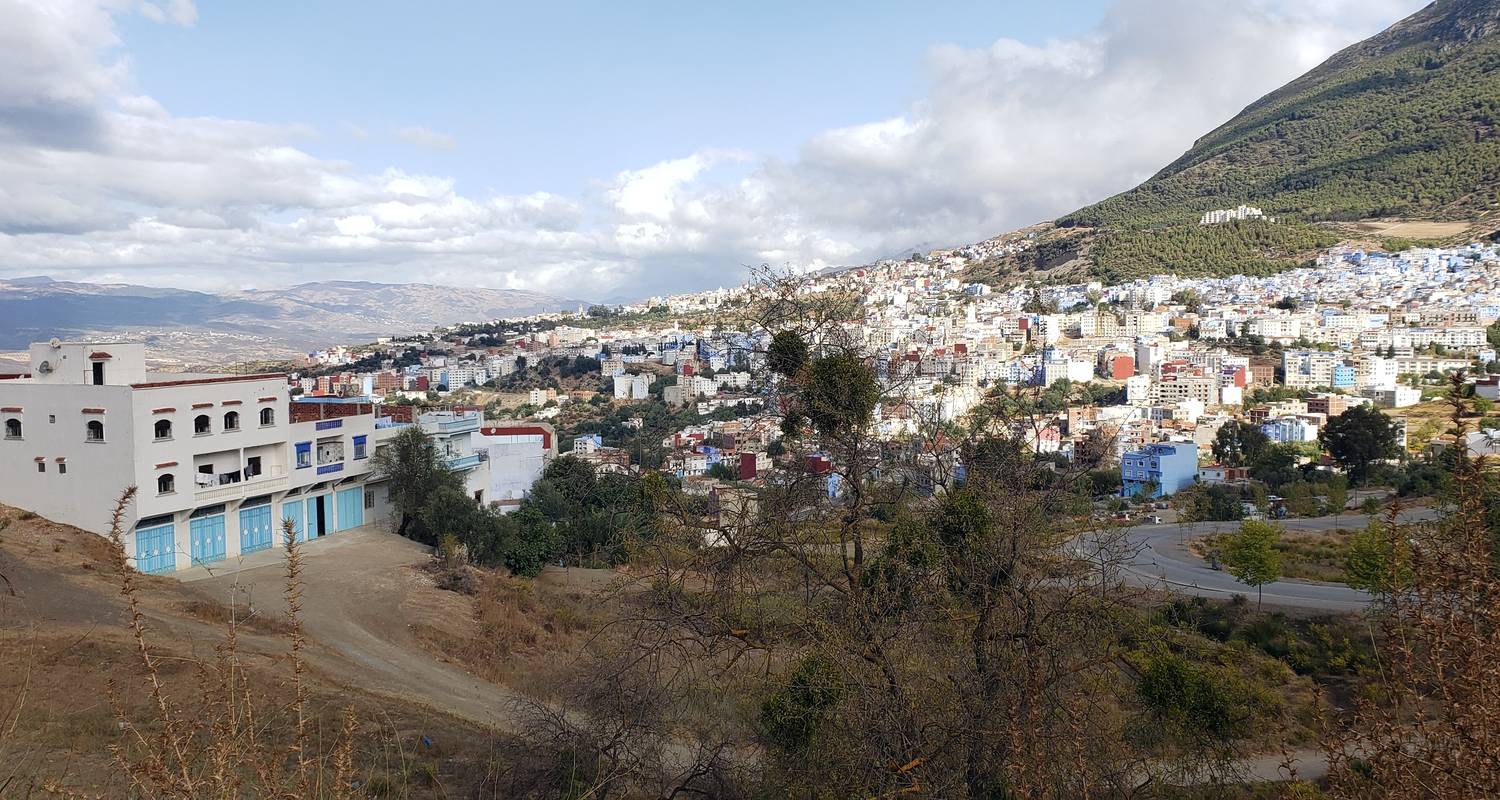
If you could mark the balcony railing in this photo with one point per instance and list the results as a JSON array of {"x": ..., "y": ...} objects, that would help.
[
  {"x": 459, "y": 425},
  {"x": 260, "y": 484},
  {"x": 457, "y": 463}
]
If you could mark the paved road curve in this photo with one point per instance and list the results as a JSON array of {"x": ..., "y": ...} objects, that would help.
[{"x": 1160, "y": 559}]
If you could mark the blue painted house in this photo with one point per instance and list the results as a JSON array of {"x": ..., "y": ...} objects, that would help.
[{"x": 1165, "y": 468}]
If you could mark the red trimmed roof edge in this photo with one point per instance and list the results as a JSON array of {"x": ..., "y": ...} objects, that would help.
[{"x": 219, "y": 379}]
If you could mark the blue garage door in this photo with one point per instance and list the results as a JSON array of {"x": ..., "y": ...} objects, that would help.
[
  {"x": 156, "y": 548},
  {"x": 292, "y": 510},
  {"x": 255, "y": 528},
  {"x": 206, "y": 539},
  {"x": 351, "y": 508}
]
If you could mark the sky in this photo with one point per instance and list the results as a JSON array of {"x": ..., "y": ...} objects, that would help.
[{"x": 599, "y": 150}]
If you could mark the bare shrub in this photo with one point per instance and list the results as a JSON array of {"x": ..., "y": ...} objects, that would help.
[{"x": 1429, "y": 726}]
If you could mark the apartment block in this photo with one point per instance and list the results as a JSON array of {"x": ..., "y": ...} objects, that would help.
[
  {"x": 1159, "y": 469},
  {"x": 218, "y": 460},
  {"x": 518, "y": 453}
]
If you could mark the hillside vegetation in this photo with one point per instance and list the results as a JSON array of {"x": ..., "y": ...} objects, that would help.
[{"x": 1400, "y": 125}]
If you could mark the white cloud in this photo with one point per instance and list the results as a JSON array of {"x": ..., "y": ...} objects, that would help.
[
  {"x": 97, "y": 179},
  {"x": 426, "y": 138}
]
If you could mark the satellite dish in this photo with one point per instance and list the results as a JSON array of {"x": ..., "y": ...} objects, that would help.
[
  {"x": 54, "y": 342},
  {"x": 44, "y": 367}
]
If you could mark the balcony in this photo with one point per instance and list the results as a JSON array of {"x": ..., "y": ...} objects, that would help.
[
  {"x": 448, "y": 427},
  {"x": 260, "y": 484},
  {"x": 462, "y": 462}
]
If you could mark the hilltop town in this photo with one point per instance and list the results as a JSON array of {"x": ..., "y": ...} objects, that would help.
[
  {"x": 1165, "y": 359},
  {"x": 1189, "y": 492}
]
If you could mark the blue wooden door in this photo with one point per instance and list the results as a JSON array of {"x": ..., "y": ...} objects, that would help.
[
  {"x": 156, "y": 548},
  {"x": 255, "y": 528},
  {"x": 351, "y": 508},
  {"x": 292, "y": 510},
  {"x": 206, "y": 539}
]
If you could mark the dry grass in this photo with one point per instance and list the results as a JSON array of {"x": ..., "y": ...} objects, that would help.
[
  {"x": 104, "y": 709},
  {"x": 515, "y": 629},
  {"x": 1305, "y": 555},
  {"x": 213, "y": 612},
  {"x": 1412, "y": 228},
  {"x": 220, "y": 744}
]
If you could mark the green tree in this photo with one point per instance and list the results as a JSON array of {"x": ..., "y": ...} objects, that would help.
[
  {"x": 573, "y": 478},
  {"x": 1239, "y": 443},
  {"x": 841, "y": 394},
  {"x": 1359, "y": 438},
  {"x": 581, "y": 365},
  {"x": 791, "y": 716},
  {"x": 1196, "y": 701},
  {"x": 1208, "y": 503},
  {"x": 527, "y": 541},
  {"x": 1377, "y": 560},
  {"x": 1337, "y": 493},
  {"x": 1276, "y": 466},
  {"x": 449, "y": 511},
  {"x": 1252, "y": 557},
  {"x": 1104, "y": 482},
  {"x": 1188, "y": 297},
  {"x": 787, "y": 354},
  {"x": 415, "y": 472}
]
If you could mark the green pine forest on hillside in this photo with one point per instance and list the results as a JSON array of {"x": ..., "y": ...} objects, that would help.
[{"x": 1402, "y": 125}]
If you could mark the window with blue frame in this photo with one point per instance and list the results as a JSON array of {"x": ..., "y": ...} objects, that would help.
[
  {"x": 359, "y": 447},
  {"x": 304, "y": 454}
]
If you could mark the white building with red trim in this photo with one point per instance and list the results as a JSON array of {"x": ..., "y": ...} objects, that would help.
[{"x": 518, "y": 453}]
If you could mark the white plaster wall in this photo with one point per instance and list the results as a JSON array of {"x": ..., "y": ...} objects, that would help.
[{"x": 53, "y": 426}]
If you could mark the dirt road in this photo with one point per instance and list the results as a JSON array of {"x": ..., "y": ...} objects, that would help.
[{"x": 358, "y": 612}]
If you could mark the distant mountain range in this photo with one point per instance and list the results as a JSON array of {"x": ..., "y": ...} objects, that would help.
[
  {"x": 1401, "y": 127},
  {"x": 279, "y": 321}
]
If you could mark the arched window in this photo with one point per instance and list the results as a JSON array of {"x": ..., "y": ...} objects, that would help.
[
  {"x": 166, "y": 484},
  {"x": 202, "y": 425},
  {"x": 12, "y": 428},
  {"x": 164, "y": 429},
  {"x": 268, "y": 416},
  {"x": 232, "y": 421},
  {"x": 94, "y": 431}
]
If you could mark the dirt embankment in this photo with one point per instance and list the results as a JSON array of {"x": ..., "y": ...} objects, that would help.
[{"x": 427, "y": 728}]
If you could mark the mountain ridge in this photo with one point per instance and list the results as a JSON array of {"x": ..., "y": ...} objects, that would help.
[
  {"x": 1404, "y": 125},
  {"x": 274, "y": 321}
]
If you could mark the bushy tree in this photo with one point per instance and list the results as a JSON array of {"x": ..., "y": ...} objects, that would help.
[
  {"x": 1376, "y": 561},
  {"x": 414, "y": 471},
  {"x": 1336, "y": 490},
  {"x": 1239, "y": 443},
  {"x": 1215, "y": 503},
  {"x": 1276, "y": 466},
  {"x": 841, "y": 393},
  {"x": 787, "y": 354},
  {"x": 1252, "y": 557},
  {"x": 1359, "y": 438}
]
